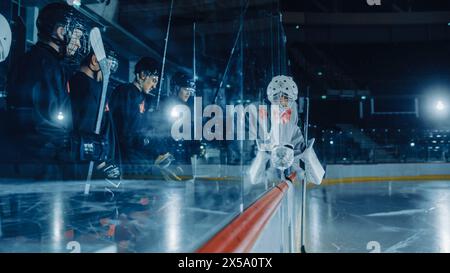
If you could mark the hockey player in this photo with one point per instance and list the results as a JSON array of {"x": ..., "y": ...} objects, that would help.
[
  {"x": 85, "y": 94},
  {"x": 38, "y": 98},
  {"x": 166, "y": 148},
  {"x": 183, "y": 90},
  {"x": 279, "y": 151},
  {"x": 129, "y": 109}
]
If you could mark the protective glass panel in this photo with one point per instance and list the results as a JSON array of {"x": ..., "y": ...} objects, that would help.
[{"x": 179, "y": 158}]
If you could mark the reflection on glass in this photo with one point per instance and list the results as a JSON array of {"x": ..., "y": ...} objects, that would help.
[
  {"x": 174, "y": 215},
  {"x": 57, "y": 221}
]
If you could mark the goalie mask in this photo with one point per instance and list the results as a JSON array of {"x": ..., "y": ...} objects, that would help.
[
  {"x": 5, "y": 38},
  {"x": 282, "y": 91}
]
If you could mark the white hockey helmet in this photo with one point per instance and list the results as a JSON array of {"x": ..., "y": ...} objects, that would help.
[
  {"x": 282, "y": 85},
  {"x": 5, "y": 38}
]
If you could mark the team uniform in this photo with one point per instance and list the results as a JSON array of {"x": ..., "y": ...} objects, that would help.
[{"x": 279, "y": 152}]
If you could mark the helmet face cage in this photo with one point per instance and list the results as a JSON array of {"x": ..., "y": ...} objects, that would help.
[
  {"x": 189, "y": 86},
  {"x": 154, "y": 73},
  {"x": 76, "y": 39},
  {"x": 113, "y": 60},
  {"x": 113, "y": 64},
  {"x": 190, "y": 90},
  {"x": 276, "y": 99}
]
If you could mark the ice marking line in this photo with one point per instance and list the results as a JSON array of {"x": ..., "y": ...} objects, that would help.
[
  {"x": 373, "y": 223},
  {"x": 397, "y": 213},
  {"x": 392, "y": 229},
  {"x": 404, "y": 243},
  {"x": 32, "y": 207},
  {"x": 336, "y": 246}
]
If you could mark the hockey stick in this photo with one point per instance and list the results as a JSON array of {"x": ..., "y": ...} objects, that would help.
[
  {"x": 303, "y": 212},
  {"x": 165, "y": 54},
  {"x": 96, "y": 41}
]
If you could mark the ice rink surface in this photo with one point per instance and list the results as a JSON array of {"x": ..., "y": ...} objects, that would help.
[
  {"x": 379, "y": 216},
  {"x": 160, "y": 216},
  {"x": 133, "y": 216}
]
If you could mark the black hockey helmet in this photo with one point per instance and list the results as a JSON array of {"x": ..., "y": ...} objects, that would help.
[
  {"x": 184, "y": 80},
  {"x": 149, "y": 66},
  {"x": 76, "y": 31}
]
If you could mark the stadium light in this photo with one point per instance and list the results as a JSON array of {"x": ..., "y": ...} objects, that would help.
[{"x": 438, "y": 104}]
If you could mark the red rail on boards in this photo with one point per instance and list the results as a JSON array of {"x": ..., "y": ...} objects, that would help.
[{"x": 241, "y": 234}]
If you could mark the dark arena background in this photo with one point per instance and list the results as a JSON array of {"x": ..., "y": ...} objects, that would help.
[{"x": 89, "y": 162}]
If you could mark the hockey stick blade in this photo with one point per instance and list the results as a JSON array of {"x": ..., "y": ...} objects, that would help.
[{"x": 96, "y": 41}]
